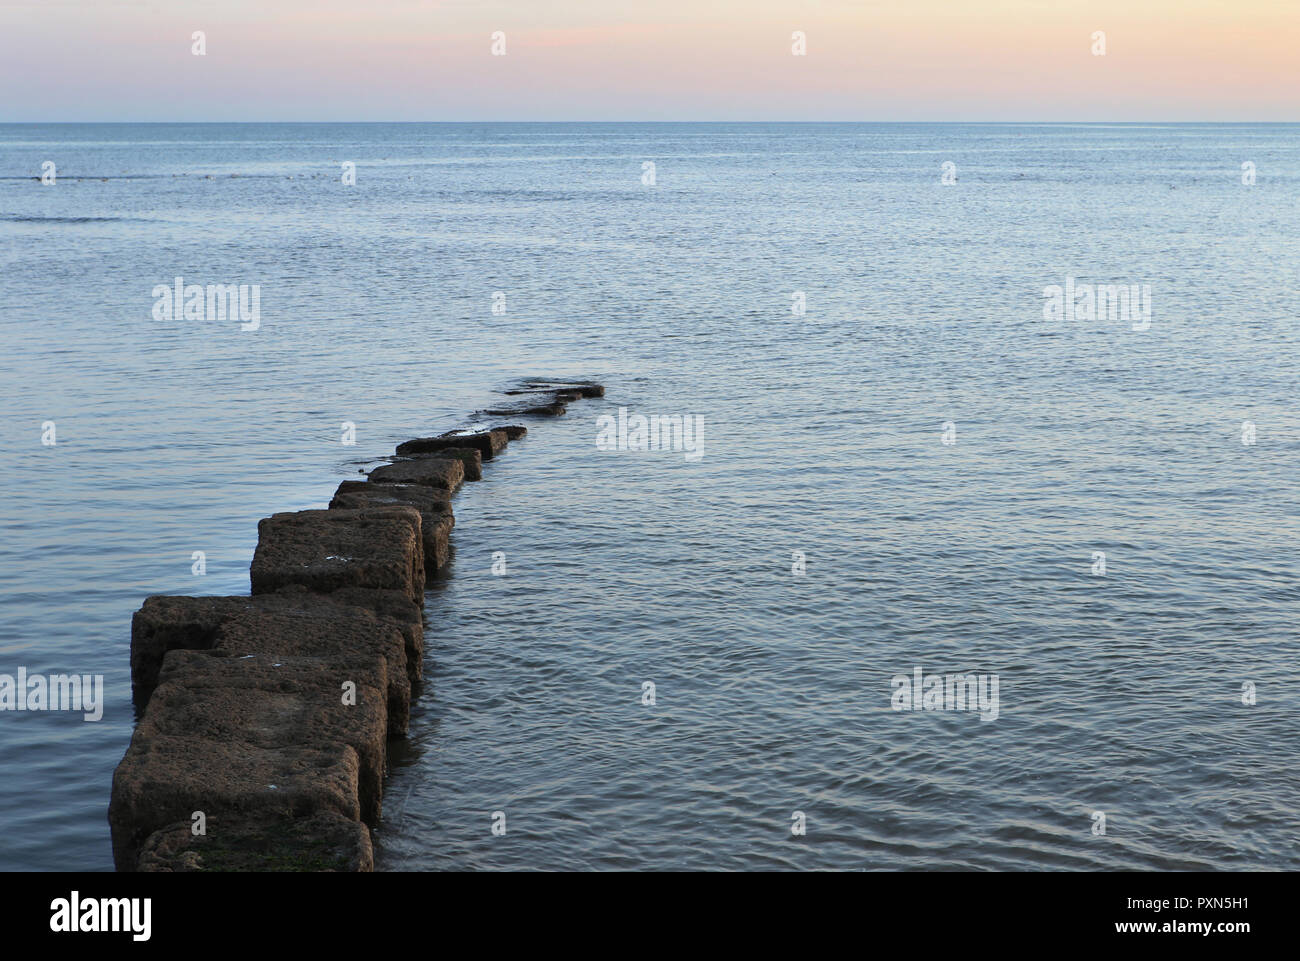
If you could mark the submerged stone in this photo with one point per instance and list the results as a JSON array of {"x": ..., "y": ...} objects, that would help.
[
  {"x": 471, "y": 458},
  {"x": 323, "y": 842},
  {"x": 554, "y": 407},
  {"x": 581, "y": 388},
  {"x": 487, "y": 442},
  {"x": 166, "y": 778},
  {"x": 443, "y": 473},
  {"x": 259, "y": 738}
]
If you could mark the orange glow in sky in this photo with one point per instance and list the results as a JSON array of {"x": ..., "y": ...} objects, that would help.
[{"x": 662, "y": 60}]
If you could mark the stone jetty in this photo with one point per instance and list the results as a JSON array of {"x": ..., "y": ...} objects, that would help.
[
  {"x": 488, "y": 443},
  {"x": 264, "y": 724}
]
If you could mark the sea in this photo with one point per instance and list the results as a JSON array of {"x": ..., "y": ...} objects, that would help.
[{"x": 920, "y": 452}]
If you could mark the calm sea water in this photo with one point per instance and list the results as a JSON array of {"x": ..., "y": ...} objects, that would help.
[{"x": 823, "y": 434}]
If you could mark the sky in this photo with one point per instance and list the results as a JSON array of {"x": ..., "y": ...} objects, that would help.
[{"x": 433, "y": 60}]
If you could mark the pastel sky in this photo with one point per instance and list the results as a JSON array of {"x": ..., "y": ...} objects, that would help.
[{"x": 131, "y": 60}]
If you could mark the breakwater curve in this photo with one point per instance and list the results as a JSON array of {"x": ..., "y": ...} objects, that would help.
[{"x": 265, "y": 719}]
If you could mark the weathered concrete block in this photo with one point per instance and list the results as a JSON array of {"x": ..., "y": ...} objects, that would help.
[
  {"x": 291, "y": 634},
  {"x": 432, "y": 499},
  {"x": 165, "y": 623},
  {"x": 263, "y": 737},
  {"x": 436, "y": 518},
  {"x": 488, "y": 442},
  {"x": 164, "y": 779},
  {"x": 324, "y": 842},
  {"x": 390, "y": 605},
  {"x": 324, "y": 551},
  {"x": 168, "y": 623},
  {"x": 442, "y": 473},
  {"x": 275, "y": 701},
  {"x": 471, "y": 459},
  {"x": 582, "y": 388},
  {"x": 551, "y": 407}
]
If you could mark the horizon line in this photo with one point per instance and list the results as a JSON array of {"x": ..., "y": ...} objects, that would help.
[{"x": 1239, "y": 123}]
